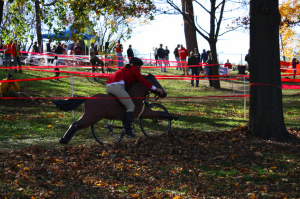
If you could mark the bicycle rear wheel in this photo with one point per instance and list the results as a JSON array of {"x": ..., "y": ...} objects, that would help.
[
  {"x": 151, "y": 127},
  {"x": 92, "y": 78},
  {"x": 104, "y": 132}
]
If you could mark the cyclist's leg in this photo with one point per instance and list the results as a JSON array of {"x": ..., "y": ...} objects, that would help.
[
  {"x": 119, "y": 91},
  {"x": 98, "y": 61},
  {"x": 102, "y": 65}
]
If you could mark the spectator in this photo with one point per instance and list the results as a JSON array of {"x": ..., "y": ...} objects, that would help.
[
  {"x": 155, "y": 56},
  {"x": 294, "y": 65},
  {"x": 209, "y": 68},
  {"x": 49, "y": 50},
  {"x": 177, "y": 57},
  {"x": 130, "y": 53},
  {"x": 247, "y": 59},
  {"x": 7, "y": 53},
  {"x": 48, "y": 46},
  {"x": 193, "y": 62},
  {"x": 59, "y": 51},
  {"x": 183, "y": 53},
  {"x": 53, "y": 49},
  {"x": 11, "y": 89},
  {"x": 203, "y": 59},
  {"x": 56, "y": 63},
  {"x": 95, "y": 61},
  {"x": 161, "y": 57},
  {"x": 35, "y": 47},
  {"x": 167, "y": 52},
  {"x": 65, "y": 47},
  {"x": 1, "y": 43},
  {"x": 118, "y": 48},
  {"x": 228, "y": 64},
  {"x": 197, "y": 55},
  {"x": 77, "y": 49},
  {"x": 16, "y": 56}
]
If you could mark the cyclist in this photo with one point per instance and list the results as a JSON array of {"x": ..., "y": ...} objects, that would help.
[
  {"x": 116, "y": 83},
  {"x": 94, "y": 59}
]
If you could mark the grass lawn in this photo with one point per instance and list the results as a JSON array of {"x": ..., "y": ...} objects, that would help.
[{"x": 209, "y": 152}]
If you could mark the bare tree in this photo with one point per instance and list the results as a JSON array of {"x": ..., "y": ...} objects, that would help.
[{"x": 215, "y": 11}]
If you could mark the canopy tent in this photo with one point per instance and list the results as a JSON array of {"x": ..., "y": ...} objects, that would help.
[{"x": 66, "y": 35}]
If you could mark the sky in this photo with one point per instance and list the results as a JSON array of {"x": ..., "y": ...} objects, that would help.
[{"x": 169, "y": 31}]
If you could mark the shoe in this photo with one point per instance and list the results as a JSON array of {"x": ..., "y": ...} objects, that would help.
[
  {"x": 129, "y": 134},
  {"x": 127, "y": 124},
  {"x": 197, "y": 85},
  {"x": 192, "y": 85}
]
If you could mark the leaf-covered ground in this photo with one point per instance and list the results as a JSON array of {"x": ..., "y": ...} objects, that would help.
[{"x": 179, "y": 165}]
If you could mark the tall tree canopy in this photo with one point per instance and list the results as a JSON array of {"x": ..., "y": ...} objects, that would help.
[
  {"x": 57, "y": 14},
  {"x": 289, "y": 38},
  {"x": 290, "y": 18}
]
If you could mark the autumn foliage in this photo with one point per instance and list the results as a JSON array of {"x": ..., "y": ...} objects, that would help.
[
  {"x": 178, "y": 165},
  {"x": 290, "y": 41}
]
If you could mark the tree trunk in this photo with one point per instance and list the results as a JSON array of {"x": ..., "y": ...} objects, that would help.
[
  {"x": 213, "y": 45},
  {"x": 189, "y": 30},
  {"x": 38, "y": 24},
  {"x": 1, "y": 11},
  {"x": 215, "y": 68},
  {"x": 266, "y": 110}
]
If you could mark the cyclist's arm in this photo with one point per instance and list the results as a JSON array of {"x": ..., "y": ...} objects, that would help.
[{"x": 139, "y": 76}]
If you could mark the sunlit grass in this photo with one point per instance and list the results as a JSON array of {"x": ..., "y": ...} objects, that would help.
[{"x": 42, "y": 124}]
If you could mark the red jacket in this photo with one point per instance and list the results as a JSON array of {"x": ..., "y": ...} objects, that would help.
[
  {"x": 8, "y": 51},
  {"x": 129, "y": 76},
  {"x": 14, "y": 51},
  {"x": 228, "y": 65},
  {"x": 119, "y": 48},
  {"x": 183, "y": 53}
]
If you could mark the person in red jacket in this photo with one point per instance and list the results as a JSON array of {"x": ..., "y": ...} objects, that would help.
[
  {"x": 228, "y": 64},
  {"x": 116, "y": 83},
  {"x": 7, "y": 53},
  {"x": 16, "y": 54},
  {"x": 183, "y": 53},
  {"x": 294, "y": 66}
]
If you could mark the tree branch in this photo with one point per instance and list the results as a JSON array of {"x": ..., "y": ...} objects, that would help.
[
  {"x": 220, "y": 19},
  {"x": 203, "y": 7},
  {"x": 171, "y": 3},
  {"x": 50, "y": 4}
]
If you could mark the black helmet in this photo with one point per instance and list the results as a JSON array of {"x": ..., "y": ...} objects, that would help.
[{"x": 136, "y": 61}]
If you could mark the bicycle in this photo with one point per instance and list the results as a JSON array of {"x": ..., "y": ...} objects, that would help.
[
  {"x": 93, "y": 78},
  {"x": 150, "y": 127},
  {"x": 95, "y": 69}
]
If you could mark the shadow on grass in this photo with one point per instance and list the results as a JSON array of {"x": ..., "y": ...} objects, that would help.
[{"x": 212, "y": 123}]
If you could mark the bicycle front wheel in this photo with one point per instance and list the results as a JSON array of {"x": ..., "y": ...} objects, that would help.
[
  {"x": 151, "y": 127},
  {"x": 93, "y": 78},
  {"x": 104, "y": 132}
]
